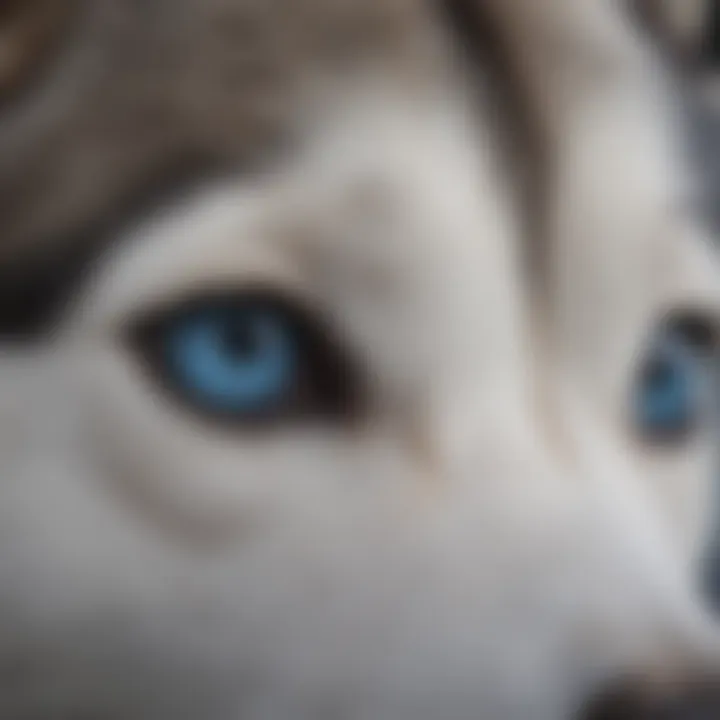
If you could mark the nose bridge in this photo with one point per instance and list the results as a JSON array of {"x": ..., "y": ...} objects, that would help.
[{"x": 578, "y": 548}]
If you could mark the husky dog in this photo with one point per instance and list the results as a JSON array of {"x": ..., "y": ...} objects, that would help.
[{"x": 386, "y": 392}]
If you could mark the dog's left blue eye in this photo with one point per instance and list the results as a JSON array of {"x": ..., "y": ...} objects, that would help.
[
  {"x": 240, "y": 360},
  {"x": 248, "y": 356},
  {"x": 670, "y": 390}
]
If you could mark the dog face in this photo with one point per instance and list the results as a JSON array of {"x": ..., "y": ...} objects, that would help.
[{"x": 334, "y": 438}]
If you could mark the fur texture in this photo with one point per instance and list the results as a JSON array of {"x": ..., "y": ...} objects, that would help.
[{"x": 489, "y": 537}]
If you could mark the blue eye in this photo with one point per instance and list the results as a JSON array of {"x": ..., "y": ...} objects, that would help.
[
  {"x": 237, "y": 360},
  {"x": 670, "y": 390},
  {"x": 246, "y": 357}
]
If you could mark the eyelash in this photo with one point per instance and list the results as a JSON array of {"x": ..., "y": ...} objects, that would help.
[{"x": 249, "y": 358}]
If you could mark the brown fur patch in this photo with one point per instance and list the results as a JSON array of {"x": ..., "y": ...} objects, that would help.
[{"x": 148, "y": 86}]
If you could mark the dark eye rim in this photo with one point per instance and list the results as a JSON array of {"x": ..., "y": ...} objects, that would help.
[
  {"x": 329, "y": 385},
  {"x": 698, "y": 328}
]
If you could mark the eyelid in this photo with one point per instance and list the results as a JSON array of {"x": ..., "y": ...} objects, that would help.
[
  {"x": 169, "y": 306},
  {"x": 698, "y": 327},
  {"x": 116, "y": 302}
]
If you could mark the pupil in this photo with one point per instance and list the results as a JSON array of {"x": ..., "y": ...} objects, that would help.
[
  {"x": 240, "y": 341},
  {"x": 661, "y": 375}
]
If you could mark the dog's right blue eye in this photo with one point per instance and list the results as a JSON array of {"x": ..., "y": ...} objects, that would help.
[
  {"x": 669, "y": 399},
  {"x": 674, "y": 389}
]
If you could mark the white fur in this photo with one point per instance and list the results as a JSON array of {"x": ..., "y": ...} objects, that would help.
[{"x": 492, "y": 541}]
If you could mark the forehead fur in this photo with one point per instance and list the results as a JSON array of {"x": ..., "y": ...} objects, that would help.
[{"x": 138, "y": 91}]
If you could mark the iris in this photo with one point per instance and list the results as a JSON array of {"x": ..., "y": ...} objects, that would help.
[
  {"x": 238, "y": 360},
  {"x": 670, "y": 389}
]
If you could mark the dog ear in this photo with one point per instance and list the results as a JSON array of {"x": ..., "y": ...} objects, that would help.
[{"x": 29, "y": 30}]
